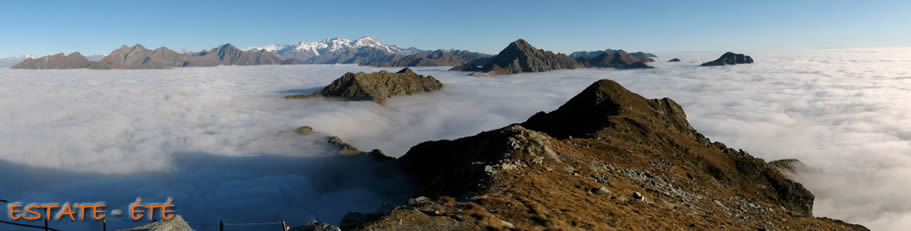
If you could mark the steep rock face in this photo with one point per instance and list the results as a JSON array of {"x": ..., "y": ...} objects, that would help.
[
  {"x": 377, "y": 86},
  {"x": 608, "y": 159},
  {"x": 619, "y": 59},
  {"x": 730, "y": 58},
  {"x": 58, "y": 61},
  {"x": 520, "y": 56},
  {"x": 436, "y": 58}
]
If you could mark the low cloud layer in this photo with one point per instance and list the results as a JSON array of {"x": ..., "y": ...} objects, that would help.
[{"x": 205, "y": 135}]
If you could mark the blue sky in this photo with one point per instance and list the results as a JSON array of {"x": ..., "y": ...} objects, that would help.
[{"x": 97, "y": 27}]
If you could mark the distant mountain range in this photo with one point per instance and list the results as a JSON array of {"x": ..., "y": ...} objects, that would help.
[
  {"x": 368, "y": 51},
  {"x": 592, "y": 54},
  {"x": 328, "y": 47},
  {"x": 138, "y": 57},
  {"x": 520, "y": 56},
  {"x": 364, "y": 51}
]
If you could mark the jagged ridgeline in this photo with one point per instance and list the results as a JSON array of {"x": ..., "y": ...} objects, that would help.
[
  {"x": 608, "y": 159},
  {"x": 520, "y": 56},
  {"x": 138, "y": 57}
]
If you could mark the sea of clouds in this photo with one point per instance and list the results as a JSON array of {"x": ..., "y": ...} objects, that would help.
[{"x": 211, "y": 137}]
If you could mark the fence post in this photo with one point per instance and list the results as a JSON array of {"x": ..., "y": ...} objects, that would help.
[
  {"x": 284, "y": 226},
  {"x": 221, "y": 225}
]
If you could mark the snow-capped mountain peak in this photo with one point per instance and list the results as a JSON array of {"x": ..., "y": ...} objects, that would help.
[{"x": 309, "y": 49}]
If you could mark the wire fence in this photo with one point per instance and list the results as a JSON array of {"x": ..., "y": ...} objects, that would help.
[{"x": 221, "y": 224}]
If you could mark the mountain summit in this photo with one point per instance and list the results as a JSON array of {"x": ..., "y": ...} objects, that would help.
[{"x": 520, "y": 56}]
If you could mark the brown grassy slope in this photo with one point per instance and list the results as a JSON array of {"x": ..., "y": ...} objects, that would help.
[{"x": 578, "y": 168}]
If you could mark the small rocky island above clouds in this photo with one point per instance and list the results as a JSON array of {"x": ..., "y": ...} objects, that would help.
[
  {"x": 376, "y": 86},
  {"x": 730, "y": 58}
]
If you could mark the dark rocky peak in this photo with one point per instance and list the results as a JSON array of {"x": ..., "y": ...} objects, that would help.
[
  {"x": 519, "y": 45},
  {"x": 406, "y": 71},
  {"x": 674, "y": 60},
  {"x": 600, "y": 105},
  {"x": 730, "y": 58},
  {"x": 520, "y": 56}
]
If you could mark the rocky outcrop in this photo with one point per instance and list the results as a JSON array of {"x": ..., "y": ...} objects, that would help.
[
  {"x": 376, "y": 86},
  {"x": 520, "y": 56},
  {"x": 608, "y": 159},
  {"x": 619, "y": 59},
  {"x": 730, "y": 58},
  {"x": 674, "y": 60},
  {"x": 175, "y": 224},
  {"x": 59, "y": 61},
  {"x": 437, "y": 58}
]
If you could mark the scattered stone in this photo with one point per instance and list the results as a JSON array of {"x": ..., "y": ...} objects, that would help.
[
  {"x": 601, "y": 191},
  {"x": 601, "y": 178},
  {"x": 638, "y": 196},
  {"x": 507, "y": 225}
]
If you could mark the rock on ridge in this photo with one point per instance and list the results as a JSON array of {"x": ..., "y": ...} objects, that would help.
[{"x": 377, "y": 86}]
